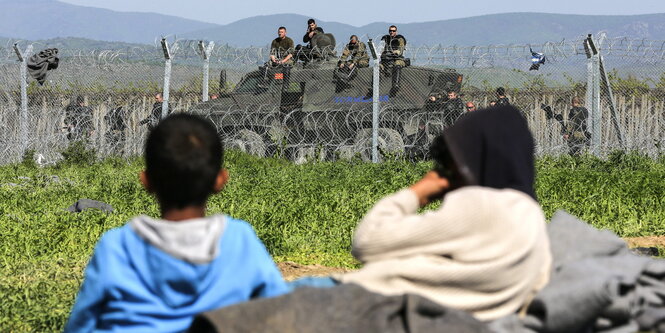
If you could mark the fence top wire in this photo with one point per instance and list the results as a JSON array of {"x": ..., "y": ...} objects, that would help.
[{"x": 628, "y": 49}]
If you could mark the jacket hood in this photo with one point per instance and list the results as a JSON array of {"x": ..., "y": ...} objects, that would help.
[
  {"x": 173, "y": 258},
  {"x": 493, "y": 148}
]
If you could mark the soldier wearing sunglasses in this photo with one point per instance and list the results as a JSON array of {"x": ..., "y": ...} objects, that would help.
[{"x": 392, "y": 57}]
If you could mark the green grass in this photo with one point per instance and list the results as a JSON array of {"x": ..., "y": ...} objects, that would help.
[{"x": 303, "y": 213}]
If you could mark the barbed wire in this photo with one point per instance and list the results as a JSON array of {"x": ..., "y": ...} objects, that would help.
[
  {"x": 640, "y": 50},
  {"x": 129, "y": 77}
]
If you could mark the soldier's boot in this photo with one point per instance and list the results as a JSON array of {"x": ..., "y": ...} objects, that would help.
[{"x": 397, "y": 77}]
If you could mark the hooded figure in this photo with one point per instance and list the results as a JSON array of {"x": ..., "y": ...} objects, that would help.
[{"x": 485, "y": 249}]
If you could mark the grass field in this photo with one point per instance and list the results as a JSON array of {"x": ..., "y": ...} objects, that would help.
[{"x": 304, "y": 213}]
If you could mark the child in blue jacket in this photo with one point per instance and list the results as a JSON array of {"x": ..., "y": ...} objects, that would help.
[{"x": 154, "y": 275}]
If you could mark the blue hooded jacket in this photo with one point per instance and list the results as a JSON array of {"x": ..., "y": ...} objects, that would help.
[{"x": 154, "y": 275}]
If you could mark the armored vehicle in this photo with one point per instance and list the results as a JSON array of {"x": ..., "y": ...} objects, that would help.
[{"x": 320, "y": 114}]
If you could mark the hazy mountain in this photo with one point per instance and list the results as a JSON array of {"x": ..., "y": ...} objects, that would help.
[
  {"x": 73, "y": 43},
  {"x": 480, "y": 30},
  {"x": 44, "y": 19}
]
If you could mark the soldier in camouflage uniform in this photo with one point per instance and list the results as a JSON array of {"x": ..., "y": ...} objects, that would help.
[
  {"x": 281, "y": 55},
  {"x": 354, "y": 56},
  {"x": 116, "y": 124},
  {"x": 575, "y": 132},
  {"x": 392, "y": 57},
  {"x": 78, "y": 120},
  {"x": 453, "y": 108}
]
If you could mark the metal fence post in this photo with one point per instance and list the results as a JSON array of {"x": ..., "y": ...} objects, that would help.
[
  {"x": 596, "y": 116},
  {"x": 593, "y": 93},
  {"x": 605, "y": 82},
  {"x": 376, "y": 106},
  {"x": 205, "y": 54},
  {"x": 23, "y": 58},
  {"x": 167, "y": 78}
]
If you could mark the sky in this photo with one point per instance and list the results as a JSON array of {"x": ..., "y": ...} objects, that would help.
[{"x": 359, "y": 13}]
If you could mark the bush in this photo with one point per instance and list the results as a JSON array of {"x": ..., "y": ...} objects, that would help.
[
  {"x": 28, "y": 158},
  {"x": 78, "y": 154}
]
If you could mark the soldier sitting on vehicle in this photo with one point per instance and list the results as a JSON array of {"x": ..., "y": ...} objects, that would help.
[
  {"x": 392, "y": 57},
  {"x": 281, "y": 55},
  {"x": 319, "y": 46},
  {"x": 354, "y": 56},
  {"x": 305, "y": 53},
  {"x": 312, "y": 29},
  {"x": 78, "y": 120}
]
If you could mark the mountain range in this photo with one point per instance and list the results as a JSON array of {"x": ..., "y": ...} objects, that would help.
[{"x": 47, "y": 19}]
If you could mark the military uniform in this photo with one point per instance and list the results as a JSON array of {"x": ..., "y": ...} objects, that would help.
[
  {"x": 356, "y": 54},
  {"x": 155, "y": 115},
  {"x": 115, "y": 129},
  {"x": 393, "y": 57},
  {"x": 78, "y": 120},
  {"x": 280, "y": 48},
  {"x": 306, "y": 38},
  {"x": 393, "y": 52},
  {"x": 452, "y": 110},
  {"x": 502, "y": 101},
  {"x": 576, "y": 129}
]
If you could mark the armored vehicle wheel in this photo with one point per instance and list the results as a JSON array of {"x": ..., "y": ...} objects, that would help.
[
  {"x": 390, "y": 143},
  {"x": 247, "y": 141}
]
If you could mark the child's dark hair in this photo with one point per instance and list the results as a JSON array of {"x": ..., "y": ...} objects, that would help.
[{"x": 183, "y": 156}]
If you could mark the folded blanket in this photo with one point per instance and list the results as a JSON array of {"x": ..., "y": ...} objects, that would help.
[{"x": 597, "y": 285}]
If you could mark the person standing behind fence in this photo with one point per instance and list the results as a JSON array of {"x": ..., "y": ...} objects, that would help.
[
  {"x": 156, "y": 112},
  {"x": 501, "y": 98},
  {"x": 116, "y": 124},
  {"x": 78, "y": 120},
  {"x": 453, "y": 108},
  {"x": 576, "y": 134}
]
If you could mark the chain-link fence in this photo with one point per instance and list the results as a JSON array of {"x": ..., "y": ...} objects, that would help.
[{"x": 317, "y": 111}]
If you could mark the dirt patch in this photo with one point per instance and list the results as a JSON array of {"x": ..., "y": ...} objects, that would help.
[
  {"x": 646, "y": 241},
  {"x": 291, "y": 270}
]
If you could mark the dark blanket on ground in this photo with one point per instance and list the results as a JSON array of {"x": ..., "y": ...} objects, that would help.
[
  {"x": 39, "y": 64},
  {"x": 597, "y": 285},
  {"x": 85, "y": 204},
  {"x": 344, "y": 308}
]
